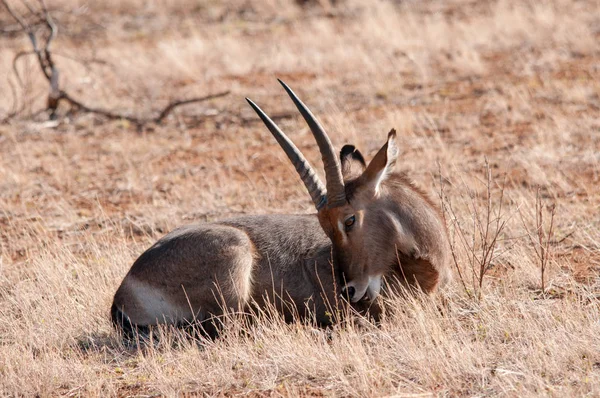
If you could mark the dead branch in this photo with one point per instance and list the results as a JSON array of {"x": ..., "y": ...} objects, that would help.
[
  {"x": 51, "y": 72},
  {"x": 541, "y": 239},
  {"x": 447, "y": 208},
  {"x": 83, "y": 62},
  {"x": 138, "y": 121},
  {"x": 480, "y": 242},
  {"x": 167, "y": 109},
  {"x": 15, "y": 101},
  {"x": 16, "y": 16},
  {"x": 11, "y": 29}
]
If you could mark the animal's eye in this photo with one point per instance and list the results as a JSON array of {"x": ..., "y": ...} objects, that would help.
[{"x": 349, "y": 222}]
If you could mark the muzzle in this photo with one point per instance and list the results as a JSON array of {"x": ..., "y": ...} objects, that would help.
[{"x": 369, "y": 289}]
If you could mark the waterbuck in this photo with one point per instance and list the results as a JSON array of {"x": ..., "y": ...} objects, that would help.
[{"x": 371, "y": 222}]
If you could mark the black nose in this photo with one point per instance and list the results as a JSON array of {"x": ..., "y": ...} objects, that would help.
[{"x": 349, "y": 291}]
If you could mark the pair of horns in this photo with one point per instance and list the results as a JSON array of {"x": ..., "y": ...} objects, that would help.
[{"x": 335, "y": 195}]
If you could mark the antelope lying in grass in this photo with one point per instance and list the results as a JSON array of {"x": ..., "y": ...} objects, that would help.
[{"x": 370, "y": 222}]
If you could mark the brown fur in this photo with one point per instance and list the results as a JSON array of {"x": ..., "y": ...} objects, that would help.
[
  {"x": 397, "y": 226},
  {"x": 201, "y": 271},
  {"x": 387, "y": 227}
]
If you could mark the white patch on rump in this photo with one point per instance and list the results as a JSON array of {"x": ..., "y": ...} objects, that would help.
[{"x": 153, "y": 306}]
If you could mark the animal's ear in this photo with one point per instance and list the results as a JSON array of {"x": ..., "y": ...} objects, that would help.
[
  {"x": 382, "y": 165},
  {"x": 353, "y": 163}
]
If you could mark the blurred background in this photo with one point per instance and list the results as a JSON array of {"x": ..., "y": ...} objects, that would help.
[
  {"x": 130, "y": 120},
  {"x": 456, "y": 78}
]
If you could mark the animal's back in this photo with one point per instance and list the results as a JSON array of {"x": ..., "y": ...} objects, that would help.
[{"x": 197, "y": 270}]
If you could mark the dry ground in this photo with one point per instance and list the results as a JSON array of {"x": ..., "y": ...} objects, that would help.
[{"x": 514, "y": 82}]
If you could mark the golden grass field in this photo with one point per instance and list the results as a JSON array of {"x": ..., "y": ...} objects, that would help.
[{"x": 497, "y": 106}]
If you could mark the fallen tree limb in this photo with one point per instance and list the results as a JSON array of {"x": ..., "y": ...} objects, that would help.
[
  {"x": 51, "y": 72},
  {"x": 138, "y": 121}
]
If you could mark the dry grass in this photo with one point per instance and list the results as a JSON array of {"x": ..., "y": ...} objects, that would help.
[{"x": 514, "y": 84}]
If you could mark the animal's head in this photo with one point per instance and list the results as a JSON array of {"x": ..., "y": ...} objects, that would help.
[{"x": 355, "y": 209}]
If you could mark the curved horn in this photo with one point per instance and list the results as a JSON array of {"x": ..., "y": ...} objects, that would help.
[
  {"x": 307, "y": 174},
  {"x": 336, "y": 193}
]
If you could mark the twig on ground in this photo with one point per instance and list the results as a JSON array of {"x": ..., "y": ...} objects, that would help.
[
  {"x": 11, "y": 29},
  {"x": 84, "y": 62},
  {"x": 45, "y": 59},
  {"x": 542, "y": 240},
  {"x": 446, "y": 207},
  {"x": 489, "y": 237},
  {"x": 480, "y": 244}
]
